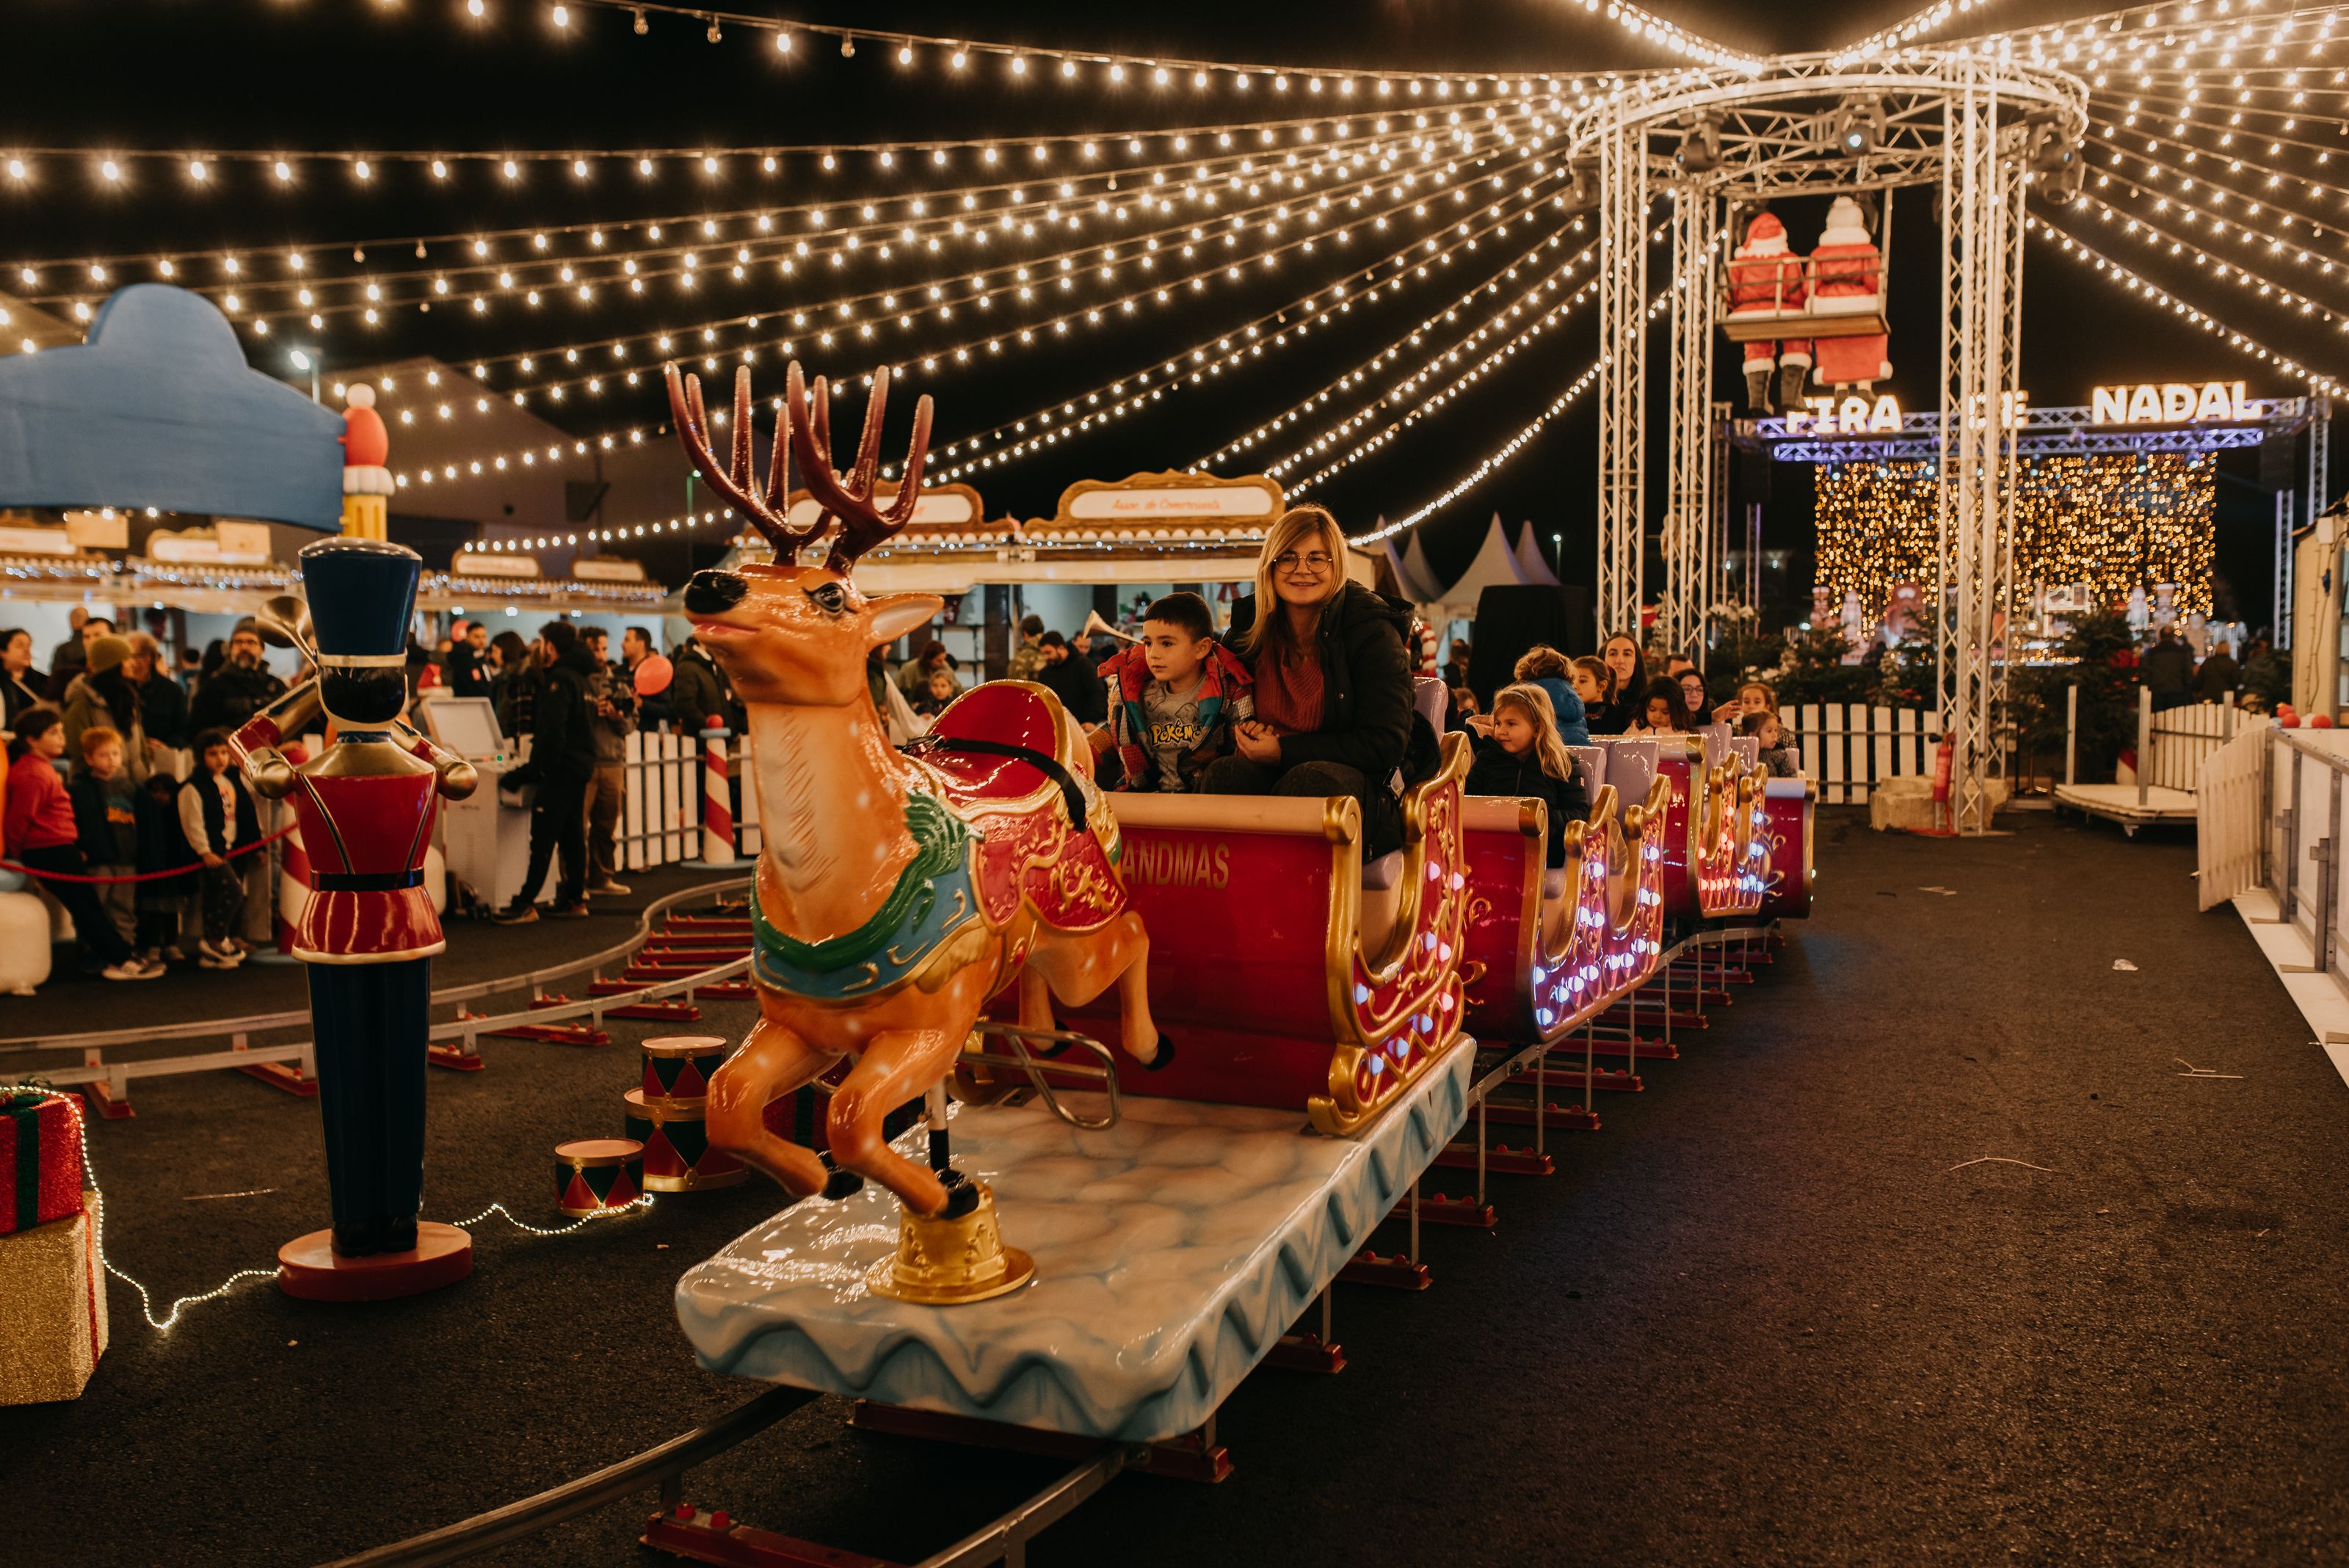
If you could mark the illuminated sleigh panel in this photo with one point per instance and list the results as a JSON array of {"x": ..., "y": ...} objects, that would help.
[
  {"x": 1284, "y": 980},
  {"x": 1787, "y": 805},
  {"x": 1730, "y": 855},
  {"x": 1547, "y": 949}
]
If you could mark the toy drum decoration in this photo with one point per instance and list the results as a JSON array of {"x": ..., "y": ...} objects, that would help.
[
  {"x": 678, "y": 1068},
  {"x": 598, "y": 1174},
  {"x": 677, "y": 1155}
]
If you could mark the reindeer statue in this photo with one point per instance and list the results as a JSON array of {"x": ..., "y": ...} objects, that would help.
[{"x": 897, "y": 893}]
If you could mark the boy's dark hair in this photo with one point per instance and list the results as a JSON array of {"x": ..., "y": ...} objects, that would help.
[
  {"x": 1751, "y": 723},
  {"x": 1031, "y": 625},
  {"x": 1051, "y": 639},
  {"x": 209, "y": 738},
  {"x": 35, "y": 722},
  {"x": 1186, "y": 610},
  {"x": 560, "y": 635}
]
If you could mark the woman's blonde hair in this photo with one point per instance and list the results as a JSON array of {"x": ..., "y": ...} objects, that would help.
[
  {"x": 1290, "y": 532},
  {"x": 1550, "y": 747}
]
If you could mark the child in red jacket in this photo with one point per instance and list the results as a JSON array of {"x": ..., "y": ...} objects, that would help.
[{"x": 42, "y": 836}]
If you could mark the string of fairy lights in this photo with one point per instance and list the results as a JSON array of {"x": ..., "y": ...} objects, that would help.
[
  {"x": 1090, "y": 160},
  {"x": 1160, "y": 292},
  {"x": 179, "y": 1305},
  {"x": 1227, "y": 350}
]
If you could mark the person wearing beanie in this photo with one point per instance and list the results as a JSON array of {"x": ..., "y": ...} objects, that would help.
[
  {"x": 103, "y": 696},
  {"x": 1847, "y": 279},
  {"x": 242, "y": 686},
  {"x": 1765, "y": 279}
]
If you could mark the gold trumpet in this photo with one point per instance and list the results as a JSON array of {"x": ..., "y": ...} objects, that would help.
[
  {"x": 284, "y": 622},
  {"x": 1096, "y": 627}
]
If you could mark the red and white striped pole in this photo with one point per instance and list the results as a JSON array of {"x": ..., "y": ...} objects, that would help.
[
  {"x": 716, "y": 800},
  {"x": 292, "y": 889}
]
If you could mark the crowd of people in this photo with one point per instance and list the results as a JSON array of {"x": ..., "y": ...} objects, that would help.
[{"x": 1309, "y": 692}]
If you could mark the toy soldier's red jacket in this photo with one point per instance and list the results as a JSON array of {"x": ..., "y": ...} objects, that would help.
[{"x": 366, "y": 807}]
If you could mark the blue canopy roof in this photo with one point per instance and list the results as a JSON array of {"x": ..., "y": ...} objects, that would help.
[{"x": 159, "y": 409}]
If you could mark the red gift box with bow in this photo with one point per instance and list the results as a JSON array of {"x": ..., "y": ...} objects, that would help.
[{"x": 40, "y": 1159}]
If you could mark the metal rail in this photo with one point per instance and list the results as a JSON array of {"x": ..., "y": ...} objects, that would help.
[
  {"x": 1005, "y": 1539},
  {"x": 254, "y": 1024},
  {"x": 516, "y": 1520}
]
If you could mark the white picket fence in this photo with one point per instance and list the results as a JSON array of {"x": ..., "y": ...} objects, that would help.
[
  {"x": 1850, "y": 748},
  {"x": 2228, "y": 804},
  {"x": 2185, "y": 738},
  {"x": 660, "y": 817}
]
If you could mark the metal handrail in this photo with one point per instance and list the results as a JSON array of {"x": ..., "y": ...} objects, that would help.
[
  {"x": 1022, "y": 1058},
  {"x": 254, "y": 1024},
  {"x": 516, "y": 1520}
]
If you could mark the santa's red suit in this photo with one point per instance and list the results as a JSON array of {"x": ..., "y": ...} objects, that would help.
[
  {"x": 1766, "y": 277},
  {"x": 1847, "y": 268}
]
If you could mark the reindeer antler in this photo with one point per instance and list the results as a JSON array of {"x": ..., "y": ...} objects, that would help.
[
  {"x": 850, "y": 498},
  {"x": 766, "y": 506}
]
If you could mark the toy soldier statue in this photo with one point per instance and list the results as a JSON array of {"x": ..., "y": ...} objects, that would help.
[{"x": 366, "y": 806}]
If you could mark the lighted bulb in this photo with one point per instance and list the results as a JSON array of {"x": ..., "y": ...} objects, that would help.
[
  {"x": 364, "y": 170},
  {"x": 563, "y": 15},
  {"x": 783, "y": 43},
  {"x": 110, "y": 169},
  {"x": 905, "y": 55},
  {"x": 197, "y": 171},
  {"x": 475, "y": 7},
  {"x": 440, "y": 169},
  {"x": 645, "y": 166},
  {"x": 16, "y": 169}
]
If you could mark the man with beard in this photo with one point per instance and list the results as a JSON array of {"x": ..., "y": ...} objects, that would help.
[{"x": 239, "y": 689}]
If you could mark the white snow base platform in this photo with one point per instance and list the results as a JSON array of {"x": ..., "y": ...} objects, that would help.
[{"x": 1172, "y": 1252}]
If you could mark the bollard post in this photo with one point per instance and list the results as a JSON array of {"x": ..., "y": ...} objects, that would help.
[
  {"x": 2071, "y": 732},
  {"x": 716, "y": 801}
]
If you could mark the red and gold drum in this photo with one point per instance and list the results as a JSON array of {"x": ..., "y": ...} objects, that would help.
[
  {"x": 677, "y": 1155},
  {"x": 678, "y": 1067},
  {"x": 595, "y": 1175}
]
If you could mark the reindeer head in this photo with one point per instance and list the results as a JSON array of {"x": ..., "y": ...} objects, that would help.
[{"x": 787, "y": 633}]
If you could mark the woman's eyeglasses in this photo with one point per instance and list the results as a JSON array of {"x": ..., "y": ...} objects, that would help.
[{"x": 1319, "y": 561}]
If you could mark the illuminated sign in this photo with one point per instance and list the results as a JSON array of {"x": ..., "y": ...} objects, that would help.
[
  {"x": 1880, "y": 415},
  {"x": 1848, "y": 416},
  {"x": 2168, "y": 403}
]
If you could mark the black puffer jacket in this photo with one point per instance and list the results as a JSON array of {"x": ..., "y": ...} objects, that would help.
[
  {"x": 563, "y": 746},
  {"x": 1366, "y": 693}
]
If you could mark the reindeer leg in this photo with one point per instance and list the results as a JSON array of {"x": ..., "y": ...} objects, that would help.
[
  {"x": 773, "y": 1062},
  {"x": 1079, "y": 967},
  {"x": 897, "y": 1065}
]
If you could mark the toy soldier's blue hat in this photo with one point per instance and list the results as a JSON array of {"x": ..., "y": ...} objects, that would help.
[{"x": 361, "y": 593}]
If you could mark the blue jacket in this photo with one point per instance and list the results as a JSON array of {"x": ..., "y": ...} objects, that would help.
[{"x": 1572, "y": 728}]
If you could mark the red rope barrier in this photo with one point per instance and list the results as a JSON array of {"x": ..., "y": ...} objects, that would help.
[{"x": 262, "y": 843}]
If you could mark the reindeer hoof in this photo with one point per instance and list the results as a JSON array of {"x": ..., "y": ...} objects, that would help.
[
  {"x": 1165, "y": 1054},
  {"x": 838, "y": 1183},
  {"x": 962, "y": 1196}
]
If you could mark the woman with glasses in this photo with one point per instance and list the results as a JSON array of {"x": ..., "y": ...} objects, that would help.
[{"x": 1333, "y": 693}]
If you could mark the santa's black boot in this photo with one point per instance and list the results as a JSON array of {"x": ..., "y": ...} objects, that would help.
[
  {"x": 1790, "y": 385},
  {"x": 1757, "y": 387}
]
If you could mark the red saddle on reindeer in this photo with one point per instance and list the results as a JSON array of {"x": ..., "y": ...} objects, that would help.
[{"x": 1010, "y": 762}]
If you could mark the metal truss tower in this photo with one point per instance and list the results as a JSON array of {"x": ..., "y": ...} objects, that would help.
[
  {"x": 1691, "y": 551},
  {"x": 1982, "y": 332},
  {"x": 1622, "y": 371}
]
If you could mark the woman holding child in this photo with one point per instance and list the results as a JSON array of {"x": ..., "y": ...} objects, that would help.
[{"x": 1331, "y": 681}]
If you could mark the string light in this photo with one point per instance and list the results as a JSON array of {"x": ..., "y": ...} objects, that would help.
[
  {"x": 2072, "y": 245},
  {"x": 179, "y": 1305},
  {"x": 1233, "y": 261},
  {"x": 1906, "y": 31},
  {"x": 1226, "y": 349},
  {"x": 1064, "y": 200}
]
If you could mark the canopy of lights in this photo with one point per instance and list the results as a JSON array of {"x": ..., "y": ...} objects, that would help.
[{"x": 1419, "y": 232}]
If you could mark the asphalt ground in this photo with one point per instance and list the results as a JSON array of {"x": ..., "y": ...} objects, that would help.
[{"x": 1925, "y": 1250}]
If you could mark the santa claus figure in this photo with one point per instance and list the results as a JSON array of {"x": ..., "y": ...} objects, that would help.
[
  {"x": 1765, "y": 279},
  {"x": 1847, "y": 279}
]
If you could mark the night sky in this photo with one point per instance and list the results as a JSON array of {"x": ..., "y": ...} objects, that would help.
[{"x": 295, "y": 76}]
